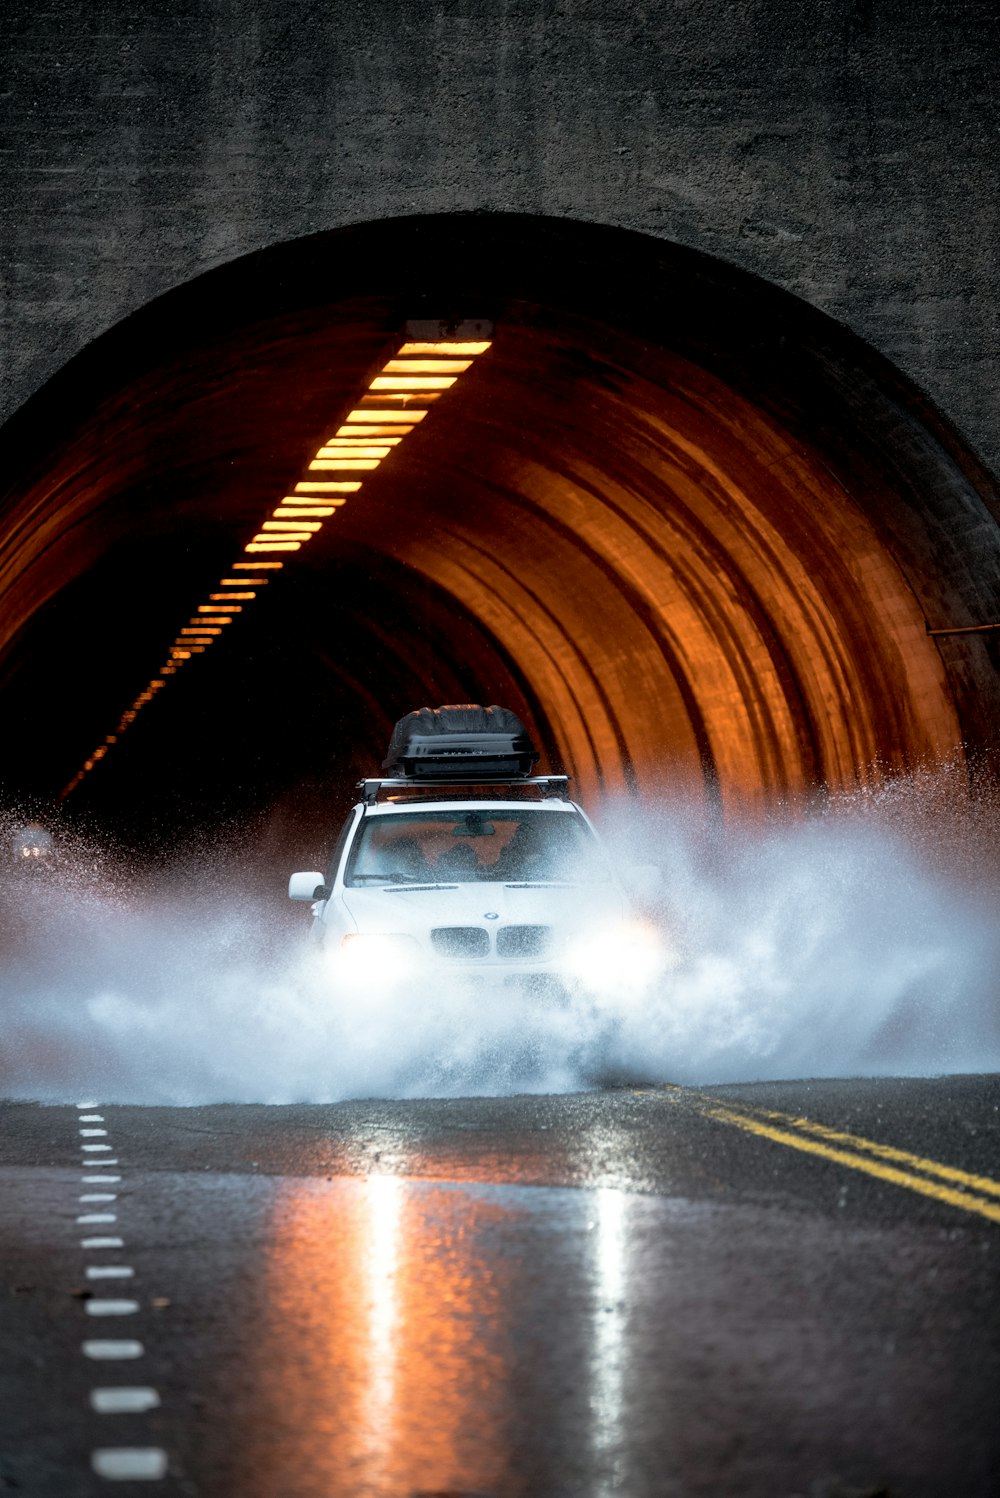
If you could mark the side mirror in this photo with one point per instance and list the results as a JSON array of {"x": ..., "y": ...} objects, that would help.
[
  {"x": 644, "y": 881},
  {"x": 308, "y": 886}
]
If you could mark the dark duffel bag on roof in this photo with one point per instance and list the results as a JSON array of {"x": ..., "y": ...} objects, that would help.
[{"x": 466, "y": 740}]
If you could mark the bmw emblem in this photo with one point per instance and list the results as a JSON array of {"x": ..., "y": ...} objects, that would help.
[{"x": 491, "y": 915}]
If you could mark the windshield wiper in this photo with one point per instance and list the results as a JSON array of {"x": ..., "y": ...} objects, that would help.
[
  {"x": 387, "y": 878},
  {"x": 404, "y": 889}
]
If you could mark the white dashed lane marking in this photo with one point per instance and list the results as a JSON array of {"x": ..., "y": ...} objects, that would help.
[
  {"x": 111, "y": 1307},
  {"x": 130, "y": 1463},
  {"x": 113, "y": 1463},
  {"x": 124, "y": 1401},
  {"x": 105, "y": 1350}
]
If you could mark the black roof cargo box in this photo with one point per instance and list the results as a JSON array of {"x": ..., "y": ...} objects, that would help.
[{"x": 435, "y": 743}]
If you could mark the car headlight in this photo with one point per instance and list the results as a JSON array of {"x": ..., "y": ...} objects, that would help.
[
  {"x": 625, "y": 956},
  {"x": 376, "y": 958}
]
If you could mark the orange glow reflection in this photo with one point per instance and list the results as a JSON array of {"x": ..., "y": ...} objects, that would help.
[{"x": 384, "y": 1332}]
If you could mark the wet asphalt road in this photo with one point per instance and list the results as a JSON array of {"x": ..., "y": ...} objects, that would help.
[{"x": 773, "y": 1290}]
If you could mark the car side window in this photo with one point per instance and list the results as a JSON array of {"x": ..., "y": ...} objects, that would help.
[{"x": 338, "y": 848}]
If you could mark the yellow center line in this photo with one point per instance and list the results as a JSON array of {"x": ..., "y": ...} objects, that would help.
[
  {"x": 885, "y": 1151},
  {"x": 858, "y": 1161}
]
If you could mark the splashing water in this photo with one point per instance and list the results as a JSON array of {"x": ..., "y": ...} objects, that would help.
[{"x": 863, "y": 939}]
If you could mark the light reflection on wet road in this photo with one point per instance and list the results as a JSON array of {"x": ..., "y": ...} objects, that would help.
[{"x": 522, "y": 1298}]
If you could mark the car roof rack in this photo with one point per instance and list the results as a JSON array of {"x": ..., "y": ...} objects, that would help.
[{"x": 556, "y": 784}]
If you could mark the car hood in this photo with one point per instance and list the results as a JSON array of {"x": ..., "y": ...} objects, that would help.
[{"x": 570, "y": 906}]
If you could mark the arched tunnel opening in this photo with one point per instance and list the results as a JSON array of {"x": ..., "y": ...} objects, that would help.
[{"x": 696, "y": 533}]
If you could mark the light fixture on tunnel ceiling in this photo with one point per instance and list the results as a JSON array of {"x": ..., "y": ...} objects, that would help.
[
  {"x": 290, "y": 512},
  {"x": 430, "y": 360}
]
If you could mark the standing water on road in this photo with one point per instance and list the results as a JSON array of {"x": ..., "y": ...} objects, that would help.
[{"x": 862, "y": 939}]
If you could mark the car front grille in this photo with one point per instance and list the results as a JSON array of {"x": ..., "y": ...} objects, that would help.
[
  {"x": 460, "y": 942},
  {"x": 525, "y": 943}
]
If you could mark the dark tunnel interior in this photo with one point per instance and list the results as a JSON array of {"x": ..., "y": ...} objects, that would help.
[{"x": 691, "y": 529}]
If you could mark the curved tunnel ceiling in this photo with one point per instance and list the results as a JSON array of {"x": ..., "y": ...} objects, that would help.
[{"x": 689, "y": 527}]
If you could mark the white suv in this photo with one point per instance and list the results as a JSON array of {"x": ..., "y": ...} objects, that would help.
[{"x": 490, "y": 891}]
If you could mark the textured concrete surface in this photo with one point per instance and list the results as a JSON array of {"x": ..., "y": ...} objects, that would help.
[{"x": 846, "y": 152}]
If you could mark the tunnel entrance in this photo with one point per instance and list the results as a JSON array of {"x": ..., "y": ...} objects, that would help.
[{"x": 691, "y": 529}]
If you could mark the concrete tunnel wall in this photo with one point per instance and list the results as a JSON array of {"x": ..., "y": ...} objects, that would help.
[{"x": 690, "y": 527}]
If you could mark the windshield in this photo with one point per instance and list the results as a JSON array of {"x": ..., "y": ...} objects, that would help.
[{"x": 459, "y": 847}]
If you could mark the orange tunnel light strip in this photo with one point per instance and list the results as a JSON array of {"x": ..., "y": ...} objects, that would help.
[
  {"x": 343, "y": 463},
  {"x": 286, "y": 513},
  {"x": 446, "y": 348},
  {"x": 328, "y": 486},
  {"x": 412, "y": 382},
  {"x": 427, "y": 366},
  {"x": 373, "y": 399},
  {"x": 352, "y": 451},
  {"x": 404, "y": 379},
  {"x": 370, "y": 413}
]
